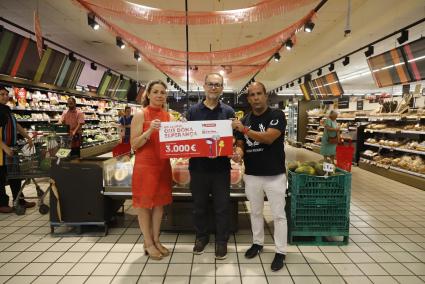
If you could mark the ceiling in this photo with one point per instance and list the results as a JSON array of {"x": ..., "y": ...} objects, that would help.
[{"x": 65, "y": 23}]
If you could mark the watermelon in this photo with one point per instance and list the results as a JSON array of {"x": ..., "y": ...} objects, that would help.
[
  {"x": 181, "y": 173},
  {"x": 45, "y": 164}
]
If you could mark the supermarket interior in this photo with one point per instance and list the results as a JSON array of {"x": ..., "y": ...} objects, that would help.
[{"x": 75, "y": 78}]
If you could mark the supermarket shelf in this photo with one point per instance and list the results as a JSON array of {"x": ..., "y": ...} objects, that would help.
[
  {"x": 310, "y": 139},
  {"x": 394, "y": 173},
  {"x": 98, "y": 149},
  {"x": 380, "y": 131},
  {"x": 36, "y": 110},
  {"x": 313, "y": 131},
  {"x": 37, "y": 120},
  {"x": 413, "y": 132},
  {"x": 315, "y": 117},
  {"x": 396, "y": 149},
  {"x": 346, "y": 118},
  {"x": 313, "y": 124}
]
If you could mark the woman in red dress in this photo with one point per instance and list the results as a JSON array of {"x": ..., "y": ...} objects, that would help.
[{"x": 151, "y": 185}]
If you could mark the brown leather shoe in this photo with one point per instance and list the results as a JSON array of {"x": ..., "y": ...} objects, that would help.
[{"x": 6, "y": 209}]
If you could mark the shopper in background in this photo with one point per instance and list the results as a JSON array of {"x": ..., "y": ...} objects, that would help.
[
  {"x": 125, "y": 122},
  {"x": 211, "y": 175},
  {"x": 9, "y": 136},
  {"x": 151, "y": 185},
  {"x": 260, "y": 141},
  {"x": 75, "y": 119},
  {"x": 330, "y": 137}
]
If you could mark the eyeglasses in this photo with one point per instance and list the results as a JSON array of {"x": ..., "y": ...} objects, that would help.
[{"x": 213, "y": 85}]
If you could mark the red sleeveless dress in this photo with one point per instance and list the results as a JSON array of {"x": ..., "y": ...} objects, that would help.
[{"x": 151, "y": 185}]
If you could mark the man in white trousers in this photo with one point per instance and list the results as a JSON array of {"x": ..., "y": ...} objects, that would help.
[{"x": 260, "y": 138}]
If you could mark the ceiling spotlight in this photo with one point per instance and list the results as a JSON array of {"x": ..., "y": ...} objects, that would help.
[
  {"x": 168, "y": 80},
  {"x": 289, "y": 44},
  {"x": 93, "y": 66},
  {"x": 276, "y": 56},
  {"x": 309, "y": 26},
  {"x": 403, "y": 37},
  {"x": 121, "y": 77},
  {"x": 287, "y": 86},
  {"x": 281, "y": 88},
  {"x": 331, "y": 66},
  {"x": 346, "y": 61},
  {"x": 319, "y": 72},
  {"x": 299, "y": 80},
  {"x": 137, "y": 56},
  {"x": 120, "y": 43},
  {"x": 370, "y": 50},
  {"x": 71, "y": 56},
  {"x": 292, "y": 84},
  {"x": 92, "y": 21}
]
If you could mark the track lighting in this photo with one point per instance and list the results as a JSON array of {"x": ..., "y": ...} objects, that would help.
[
  {"x": 370, "y": 50},
  {"x": 137, "y": 55},
  {"x": 93, "y": 66},
  {"x": 289, "y": 44},
  {"x": 346, "y": 61},
  {"x": 276, "y": 56},
  {"x": 319, "y": 72},
  {"x": 309, "y": 26},
  {"x": 120, "y": 43},
  {"x": 71, "y": 56},
  {"x": 331, "y": 67},
  {"x": 403, "y": 37},
  {"x": 92, "y": 21}
]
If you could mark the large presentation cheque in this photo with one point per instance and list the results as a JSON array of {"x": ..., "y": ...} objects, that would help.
[{"x": 210, "y": 138}]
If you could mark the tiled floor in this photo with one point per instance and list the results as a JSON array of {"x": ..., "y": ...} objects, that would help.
[{"x": 387, "y": 245}]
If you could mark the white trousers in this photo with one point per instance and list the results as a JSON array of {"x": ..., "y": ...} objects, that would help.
[{"x": 274, "y": 187}]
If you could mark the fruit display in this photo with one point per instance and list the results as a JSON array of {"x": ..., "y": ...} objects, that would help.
[
  {"x": 412, "y": 163},
  {"x": 309, "y": 167}
]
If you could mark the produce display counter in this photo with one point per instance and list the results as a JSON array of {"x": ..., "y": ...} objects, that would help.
[{"x": 117, "y": 174}]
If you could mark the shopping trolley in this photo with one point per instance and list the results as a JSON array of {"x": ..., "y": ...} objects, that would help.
[
  {"x": 344, "y": 156},
  {"x": 31, "y": 163}
]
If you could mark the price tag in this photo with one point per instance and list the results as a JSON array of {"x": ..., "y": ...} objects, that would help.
[
  {"x": 328, "y": 167},
  {"x": 63, "y": 153}
]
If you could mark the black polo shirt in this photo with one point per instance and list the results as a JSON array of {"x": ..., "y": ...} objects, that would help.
[{"x": 202, "y": 112}]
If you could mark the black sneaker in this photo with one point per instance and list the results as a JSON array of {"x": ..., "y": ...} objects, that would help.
[
  {"x": 200, "y": 246},
  {"x": 278, "y": 262},
  {"x": 221, "y": 251},
  {"x": 253, "y": 251}
]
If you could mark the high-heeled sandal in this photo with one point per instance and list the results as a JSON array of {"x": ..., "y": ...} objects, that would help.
[
  {"x": 154, "y": 256},
  {"x": 164, "y": 251}
]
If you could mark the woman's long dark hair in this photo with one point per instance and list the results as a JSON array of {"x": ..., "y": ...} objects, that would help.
[{"x": 145, "y": 101}]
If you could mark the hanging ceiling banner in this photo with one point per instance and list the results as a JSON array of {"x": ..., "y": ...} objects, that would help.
[
  {"x": 131, "y": 12},
  {"x": 38, "y": 35}
]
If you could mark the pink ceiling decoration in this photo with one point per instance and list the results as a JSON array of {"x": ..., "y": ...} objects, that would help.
[{"x": 132, "y": 12}]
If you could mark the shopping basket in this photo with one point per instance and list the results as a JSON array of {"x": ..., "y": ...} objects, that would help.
[{"x": 344, "y": 156}]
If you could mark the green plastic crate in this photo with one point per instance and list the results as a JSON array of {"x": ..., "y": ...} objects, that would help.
[{"x": 319, "y": 208}]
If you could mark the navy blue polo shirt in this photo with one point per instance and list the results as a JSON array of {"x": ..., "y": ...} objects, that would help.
[{"x": 202, "y": 112}]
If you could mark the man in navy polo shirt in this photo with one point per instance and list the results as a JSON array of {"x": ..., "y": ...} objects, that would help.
[{"x": 211, "y": 175}]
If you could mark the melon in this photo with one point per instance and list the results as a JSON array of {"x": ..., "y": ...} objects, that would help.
[
  {"x": 235, "y": 174},
  {"x": 45, "y": 164},
  {"x": 293, "y": 165},
  {"x": 305, "y": 170},
  {"x": 181, "y": 173}
]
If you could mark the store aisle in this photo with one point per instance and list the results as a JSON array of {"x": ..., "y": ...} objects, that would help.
[{"x": 387, "y": 245}]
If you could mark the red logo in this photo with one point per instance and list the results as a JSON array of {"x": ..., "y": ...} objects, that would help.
[{"x": 208, "y": 125}]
